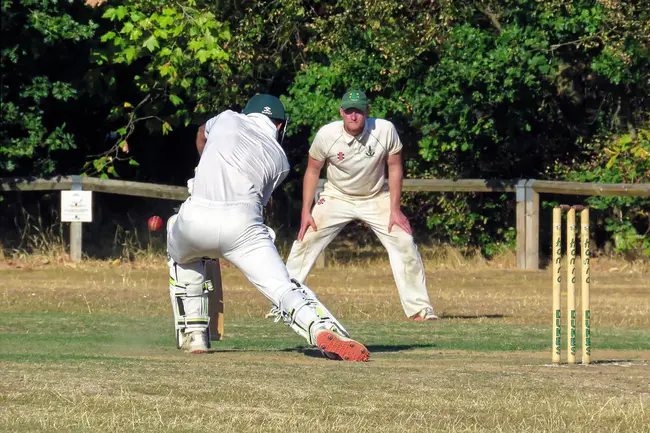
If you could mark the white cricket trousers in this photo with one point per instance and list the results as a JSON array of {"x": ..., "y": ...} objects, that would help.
[
  {"x": 234, "y": 231},
  {"x": 332, "y": 212}
]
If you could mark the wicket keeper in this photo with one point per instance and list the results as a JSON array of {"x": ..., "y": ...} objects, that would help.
[{"x": 357, "y": 150}]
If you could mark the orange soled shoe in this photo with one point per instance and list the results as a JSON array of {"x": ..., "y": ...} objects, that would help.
[{"x": 343, "y": 347}]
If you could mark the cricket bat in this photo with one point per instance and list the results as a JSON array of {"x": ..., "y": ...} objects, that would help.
[{"x": 215, "y": 299}]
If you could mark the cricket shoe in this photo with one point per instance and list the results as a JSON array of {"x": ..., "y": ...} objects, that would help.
[
  {"x": 426, "y": 314},
  {"x": 196, "y": 342},
  {"x": 342, "y": 347}
]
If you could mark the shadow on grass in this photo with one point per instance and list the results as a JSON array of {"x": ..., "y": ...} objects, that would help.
[
  {"x": 386, "y": 348},
  {"x": 612, "y": 361},
  {"x": 378, "y": 348},
  {"x": 315, "y": 353},
  {"x": 470, "y": 316}
]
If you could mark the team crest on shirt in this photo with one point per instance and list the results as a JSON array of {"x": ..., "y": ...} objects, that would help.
[
  {"x": 369, "y": 152},
  {"x": 341, "y": 156},
  {"x": 267, "y": 111}
]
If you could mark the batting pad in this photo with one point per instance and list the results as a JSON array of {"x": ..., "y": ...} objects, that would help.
[{"x": 303, "y": 312}]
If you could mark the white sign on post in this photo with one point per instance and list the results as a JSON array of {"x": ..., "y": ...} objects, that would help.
[{"x": 77, "y": 206}]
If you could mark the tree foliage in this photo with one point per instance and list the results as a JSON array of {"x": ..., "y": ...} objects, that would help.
[
  {"x": 548, "y": 89},
  {"x": 485, "y": 89},
  {"x": 38, "y": 68},
  {"x": 623, "y": 160}
]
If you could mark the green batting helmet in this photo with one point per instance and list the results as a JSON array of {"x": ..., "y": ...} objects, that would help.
[{"x": 265, "y": 104}]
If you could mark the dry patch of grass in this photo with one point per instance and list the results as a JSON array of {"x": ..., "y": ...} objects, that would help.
[
  {"x": 619, "y": 295},
  {"x": 272, "y": 392}
]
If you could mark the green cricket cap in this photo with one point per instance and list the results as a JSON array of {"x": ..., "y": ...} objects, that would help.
[
  {"x": 265, "y": 104},
  {"x": 354, "y": 99}
]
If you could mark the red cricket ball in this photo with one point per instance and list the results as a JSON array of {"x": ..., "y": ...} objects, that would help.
[{"x": 155, "y": 223}]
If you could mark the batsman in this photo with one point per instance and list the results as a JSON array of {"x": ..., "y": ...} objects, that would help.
[{"x": 241, "y": 163}]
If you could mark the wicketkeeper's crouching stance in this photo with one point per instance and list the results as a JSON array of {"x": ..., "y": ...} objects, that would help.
[{"x": 241, "y": 164}]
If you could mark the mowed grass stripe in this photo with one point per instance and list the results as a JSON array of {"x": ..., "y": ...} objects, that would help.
[{"x": 58, "y": 335}]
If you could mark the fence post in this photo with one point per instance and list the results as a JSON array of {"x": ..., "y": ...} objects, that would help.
[
  {"x": 320, "y": 261},
  {"x": 532, "y": 227},
  {"x": 520, "y": 194},
  {"x": 75, "y": 227},
  {"x": 527, "y": 225}
]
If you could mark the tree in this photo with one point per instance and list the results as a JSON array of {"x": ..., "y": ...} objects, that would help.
[
  {"x": 486, "y": 89},
  {"x": 44, "y": 57}
]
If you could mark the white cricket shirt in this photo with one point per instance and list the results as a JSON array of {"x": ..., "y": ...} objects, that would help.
[
  {"x": 356, "y": 166},
  {"x": 241, "y": 161}
]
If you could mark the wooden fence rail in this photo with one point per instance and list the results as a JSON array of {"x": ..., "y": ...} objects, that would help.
[
  {"x": 526, "y": 194},
  {"x": 111, "y": 186}
]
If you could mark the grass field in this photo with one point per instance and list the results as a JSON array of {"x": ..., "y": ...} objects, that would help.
[{"x": 90, "y": 348}]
